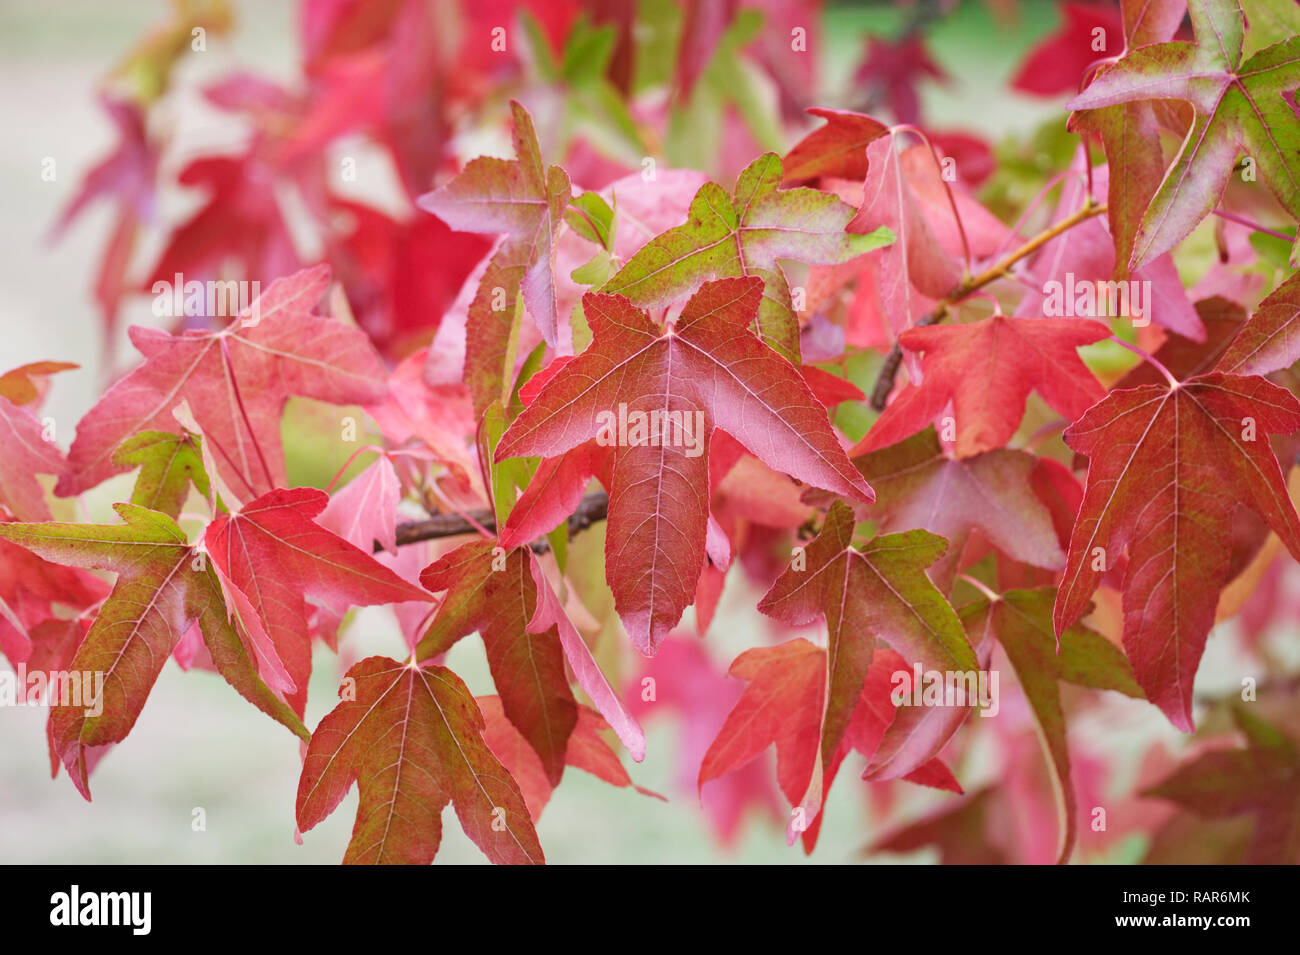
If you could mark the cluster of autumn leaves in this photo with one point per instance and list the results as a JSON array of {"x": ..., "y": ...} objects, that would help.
[{"x": 917, "y": 545}]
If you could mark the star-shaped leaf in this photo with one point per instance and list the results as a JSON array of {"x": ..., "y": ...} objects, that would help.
[
  {"x": 1239, "y": 107},
  {"x": 236, "y": 381},
  {"x": 276, "y": 555},
  {"x": 986, "y": 370},
  {"x": 877, "y": 591},
  {"x": 706, "y": 371},
  {"x": 411, "y": 738},
  {"x": 783, "y": 705},
  {"x": 917, "y": 485},
  {"x": 1167, "y": 468},
  {"x": 746, "y": 233},
  {"x": 164, "y": 587}
]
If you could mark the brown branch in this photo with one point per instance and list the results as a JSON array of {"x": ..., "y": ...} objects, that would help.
[
  {"x": 592, "y": 508},
  {"x": 889, "y": 370}
]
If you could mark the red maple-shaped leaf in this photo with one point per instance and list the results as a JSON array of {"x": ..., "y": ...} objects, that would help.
[
  {"x": 384, "y": 266},
  {"x": 696, "y": 694},
  {"x": 164, "y": 587},
  {"x": 1168, "y": 466},
  {"x": 877, "y": 591},
  {"x": 411, "y": 738},
  {"x": 783, "y": 705},
  {"x": 986, "y": 370},
  {"x": 236, "y": 382},
  {"x": 492, "y": 591},
  {"x": 1239, "y": 105},
  {"x": 708, "y": 370},
  {"x": 896, "y": 68},
  {"x": 524, "y": 200},
  {"x": 127, "y": 176},
  {"x": 274, "y": 553},
  {"x": 241, "y": 219}
]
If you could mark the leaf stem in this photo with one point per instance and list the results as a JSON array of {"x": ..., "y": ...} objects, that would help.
[
  {"x": 329, "y": 488},
  {"x": 1035, "y": 202},
  {"x": 1151, "y": 359},
  {"x": 978, "y": 585},
  {"x": 947, "y": 188},
  {"x": 1252, "y": 225}
]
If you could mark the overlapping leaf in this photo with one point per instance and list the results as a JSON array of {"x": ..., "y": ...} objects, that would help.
[
  {"x": 274, "y": 554},
  {"x": 411, "y": 738},
  {"x": 1167, "y": 468},
  {"x": 494, "y": 592},
  {"x": 587, "y": 750},
  {"x": 169, "y": 465},
  {"x": 524, "y": 201},
  {"x": 917, "y": 485},
  {"x": 879, "y": 591},
  {"x": 236, "y": 382},
  {"x": 1239, "y": 107},
  {"x": 1270, "y": 340},
  {"x": 708, "y": 364},
  {"x": 1260, "y": 782},
  {"x": 783, "y": 705},
  {"x": 164, "y": 587},
  {"x": 746, "y": 233},
  {"x": 1022, "y": 622},
  {"x": 27, "y": 454},
  {"x": 1130, "y": 132},
  {"x": 986, "y": 370}
]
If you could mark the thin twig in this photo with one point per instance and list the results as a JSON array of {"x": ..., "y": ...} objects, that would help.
[
  {"x": 1149, "y": 359},
  {"x": 947, "y": 187},
  {"x": 592, "y": 508},
  {"x": 889, "y": 370},
  {"x": 1253, "y": 225}
]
